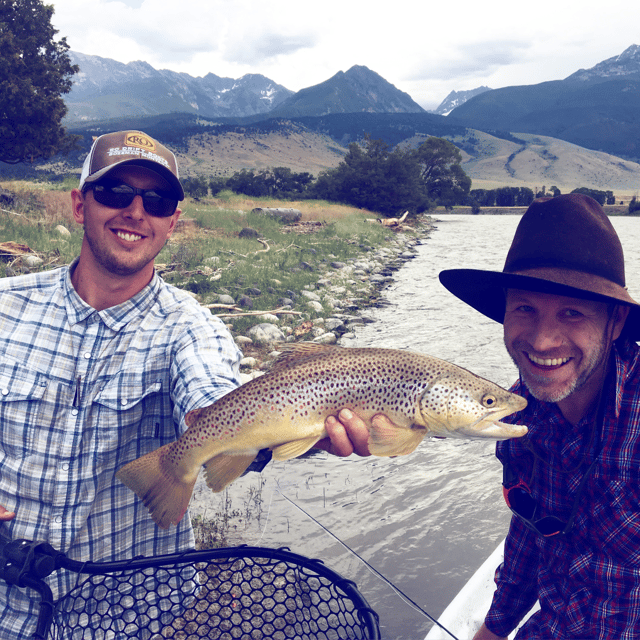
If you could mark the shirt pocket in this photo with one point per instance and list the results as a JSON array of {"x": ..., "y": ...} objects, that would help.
[
  {"x": 22, "y": 392},
  {"x": 134, "y": 416}
]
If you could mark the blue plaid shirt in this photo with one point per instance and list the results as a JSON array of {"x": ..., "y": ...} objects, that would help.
[
  {"x": 83, "y": 392},
  {"x": 588, "y": 582}
]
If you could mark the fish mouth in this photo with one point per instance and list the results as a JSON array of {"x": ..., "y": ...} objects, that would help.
[{"x": 484, "y": 429}]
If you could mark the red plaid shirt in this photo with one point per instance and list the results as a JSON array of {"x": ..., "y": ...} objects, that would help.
[{"x": 588, "y": 582}]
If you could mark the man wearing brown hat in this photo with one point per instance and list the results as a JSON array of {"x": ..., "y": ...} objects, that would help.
[
  {"x": 100, "y": 361},
  {"x": 572, "y": 482}
]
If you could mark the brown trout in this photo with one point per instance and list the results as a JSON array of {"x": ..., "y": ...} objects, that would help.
[{"x": 285, "y": 409}]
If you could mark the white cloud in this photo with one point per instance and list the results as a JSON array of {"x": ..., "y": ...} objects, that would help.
[{"x": 424, "y": 49}]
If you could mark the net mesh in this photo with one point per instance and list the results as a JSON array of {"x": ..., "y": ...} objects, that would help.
[{"x": 247, "y": 597}]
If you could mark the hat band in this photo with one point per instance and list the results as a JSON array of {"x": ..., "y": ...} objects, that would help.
[{"x": 585, "y": 282}]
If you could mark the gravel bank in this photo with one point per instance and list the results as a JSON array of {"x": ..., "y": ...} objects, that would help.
[{"x": 348, "y": 289}]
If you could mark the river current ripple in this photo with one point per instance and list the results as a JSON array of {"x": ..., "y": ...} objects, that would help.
[{"x": 428, "y": 520}]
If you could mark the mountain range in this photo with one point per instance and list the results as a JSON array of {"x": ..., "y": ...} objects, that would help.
[
  {"x": 584, "y": 128},
  {"x": 107, "y": 89},
  {"x": 597, "y": 108}
]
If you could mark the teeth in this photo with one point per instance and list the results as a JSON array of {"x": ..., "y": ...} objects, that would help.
[
  {"x": 549, "y": 362},
  {"x": 129, "y": 237}
]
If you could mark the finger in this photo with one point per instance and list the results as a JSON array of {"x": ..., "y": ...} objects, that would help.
[
  {"x": 357, "y": 431},
  {"x": 6, "y": 515},
  {"x": 347, "y": 434},
  {"x": 337, "y": 442}
]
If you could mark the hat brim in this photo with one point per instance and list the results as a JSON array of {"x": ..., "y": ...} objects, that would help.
[
  {"x": 485, "y": 292},
  {"x": 147, "y": 164}
]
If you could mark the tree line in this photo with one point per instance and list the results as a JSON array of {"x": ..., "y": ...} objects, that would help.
[
  {"x": 388, "y": 181},
  {"x": 524, "y": 196},
  {"x": 371, "y": 176}
]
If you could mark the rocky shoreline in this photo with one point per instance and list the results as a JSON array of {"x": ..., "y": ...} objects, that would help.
[{"x": 348, "y": 289}]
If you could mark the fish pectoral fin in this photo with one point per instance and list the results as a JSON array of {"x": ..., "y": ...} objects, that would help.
[
  {"x": 294, "y": 448},
  {"x": 389, "y": 439},
  {"x": 224, "y": 469}
]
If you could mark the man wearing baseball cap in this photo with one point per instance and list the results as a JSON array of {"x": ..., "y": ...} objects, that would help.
[
  {"x": 572, "y": 482},
  {"x": 100, "y": 361}
]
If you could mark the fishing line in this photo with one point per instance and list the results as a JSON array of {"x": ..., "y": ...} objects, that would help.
[
  {"x": 267, "y": 520},
  {"x": 398, "y": 591}
]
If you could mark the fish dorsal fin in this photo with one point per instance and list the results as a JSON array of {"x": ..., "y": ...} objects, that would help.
[{"x": 296, "y": 351}]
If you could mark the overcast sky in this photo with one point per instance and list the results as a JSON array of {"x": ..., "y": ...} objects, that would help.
[{"x": 426, "y": 48}]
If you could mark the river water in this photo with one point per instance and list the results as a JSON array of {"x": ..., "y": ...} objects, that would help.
[{"x": 425, "y": 521}]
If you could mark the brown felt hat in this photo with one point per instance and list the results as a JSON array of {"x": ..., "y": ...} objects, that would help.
[{"x": 565, "y": 246}]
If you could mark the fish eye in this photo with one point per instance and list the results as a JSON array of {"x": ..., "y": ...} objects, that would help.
[{"x": 488, "y": 401}]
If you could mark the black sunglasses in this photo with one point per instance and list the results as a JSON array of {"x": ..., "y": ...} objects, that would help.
[
  {"x": 523, "y": 505},
  {"x": 157, "y": 203}
]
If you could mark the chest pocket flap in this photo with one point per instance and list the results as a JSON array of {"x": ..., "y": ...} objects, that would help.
[{"x": 22, "y": 392}]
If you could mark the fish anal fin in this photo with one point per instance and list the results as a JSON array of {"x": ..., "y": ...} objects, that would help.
[
  {"x": 388, "y": 439},
  {"x": 224, "y": 469},
  {"x": 294, "y": 448},
  {"x": 154, "y": 480}
]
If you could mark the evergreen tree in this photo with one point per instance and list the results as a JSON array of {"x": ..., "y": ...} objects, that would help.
[{"x": 35, "y": 70}]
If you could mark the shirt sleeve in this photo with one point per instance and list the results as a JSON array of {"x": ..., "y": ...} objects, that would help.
[
  {"x": 516, "y": 580},
  {"x": 205, "y": 365}
]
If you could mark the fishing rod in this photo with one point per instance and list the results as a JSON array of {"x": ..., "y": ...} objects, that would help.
[{"x": 398, "y": 591}]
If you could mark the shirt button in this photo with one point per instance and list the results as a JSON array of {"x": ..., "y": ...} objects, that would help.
[
  {"x": 5, "y": 392},
  {"x": 65, "y": 466},
  {"x": 74, "y": 412},
  {"x": 123, "y": 402},
  {"x": 87, "y": 355},
  {"x": 58, "y": 519}
]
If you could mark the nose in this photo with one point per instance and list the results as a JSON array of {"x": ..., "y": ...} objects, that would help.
[
  {"x": 544, "y": 333},
  {"x": 136, "y": 209}
]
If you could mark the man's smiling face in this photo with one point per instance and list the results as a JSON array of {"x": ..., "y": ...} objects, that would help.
[
  {"x": 559, "y": 344},
  {"x": 124, "y": 241}
]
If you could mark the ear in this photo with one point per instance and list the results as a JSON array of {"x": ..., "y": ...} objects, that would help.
[
  {"x": 619, "y": 318},
  {"x": 77, "y": 202},
  {"x": 174, "y": 220}
]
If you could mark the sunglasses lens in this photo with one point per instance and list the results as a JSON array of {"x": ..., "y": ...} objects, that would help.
[
  {"x": 159, "y": 205},
  {"x": 121, "y": 196},
  {"x": 114, "y": 197}
]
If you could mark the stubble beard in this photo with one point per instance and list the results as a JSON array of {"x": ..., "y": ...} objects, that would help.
[
  {"x": 536, "y": 384},
  {"x": 112, "y": 264}
]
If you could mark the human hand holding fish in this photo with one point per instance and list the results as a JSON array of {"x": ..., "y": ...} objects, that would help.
[
  {"x": 346, "y": 434},
  {"x": 398, "y": 396}
]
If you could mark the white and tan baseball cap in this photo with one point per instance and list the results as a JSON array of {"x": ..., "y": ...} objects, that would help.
[{"x": 130, "y": 147}]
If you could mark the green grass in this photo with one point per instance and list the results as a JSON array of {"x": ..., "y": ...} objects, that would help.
[{"x": 209, "y": 258}]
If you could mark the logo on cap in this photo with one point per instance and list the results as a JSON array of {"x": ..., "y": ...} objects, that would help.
[{"x": 135, "y": 139}]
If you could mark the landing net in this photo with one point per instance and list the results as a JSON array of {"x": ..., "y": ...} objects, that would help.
[{"x": 247, "y": 592}]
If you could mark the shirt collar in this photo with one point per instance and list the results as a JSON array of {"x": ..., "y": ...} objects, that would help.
[{"x": 114, "y": 317}]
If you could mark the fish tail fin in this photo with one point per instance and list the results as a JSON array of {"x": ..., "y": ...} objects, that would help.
[
  {"x": 155, "y": 482},
  {"x": 388, "y": 439}
]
